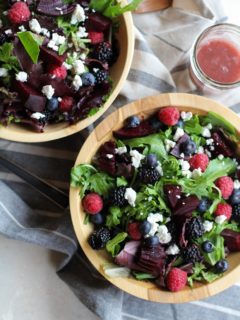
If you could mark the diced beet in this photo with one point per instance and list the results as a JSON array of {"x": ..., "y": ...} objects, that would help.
[
  {"x": 125, "y": 170},
  {"x": 177, "y": 150},
  {"x": 107, "y": 148},
  {"x": 54, "y": 8},
  {"x": 24, "y": 89},
  {"x": 187, "y": 268},
  {"x": 51, "y": 56},
  {"x": 222, "y": 145},
  {"x": 96, "y": 63},
  {"x": 60, "y": 86},
  {"x": 142, "y": 130},
  {"x": 232, "y": 239},
  {"x": 35, "y": 103},
  {"x": 34, "y": 76},
  {"x": 172, "y": 193},
  {"x": 106, "y": 165},
  {"x": 22, "y": 56},
  {"x": 185, "y": 206},
  {"x": 37, "y": 126},
  {"x": 127, "y": 256},
  {"x": 97, "y": 22}
]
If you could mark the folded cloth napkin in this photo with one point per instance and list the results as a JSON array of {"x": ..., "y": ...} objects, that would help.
[{"x": 160, "y": 64}]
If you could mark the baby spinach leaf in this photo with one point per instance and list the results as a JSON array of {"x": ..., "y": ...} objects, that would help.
[
  {"x": 122, "y": 182},
  {"x": 114, "y": 216},
  {"x": 200, "y": 273},
  {"x": 113, "y": 245},
  {"x": 31, "y": 44},
  {"x": 218, "y": 121},
  {"x": 193, "y": 126},
  {"x": 9, "y": 61}
]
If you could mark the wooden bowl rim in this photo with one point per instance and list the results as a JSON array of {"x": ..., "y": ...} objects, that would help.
[
  {"x": 141, "y": 289},
  {"x": 28, "y": 136}
]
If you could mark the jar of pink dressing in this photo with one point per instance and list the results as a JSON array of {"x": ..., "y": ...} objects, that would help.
[{"x": 215, "y": 58}]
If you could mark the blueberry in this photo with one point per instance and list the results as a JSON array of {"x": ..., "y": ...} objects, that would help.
[
  {"x": 180, "y": 124},
  {"x": 88, "y": 79},
  {"x": 189, "y": 147},
  {"x": 145, "y": 227},
  {"x": 235, "y": 197},
  {"x": 207, "y": 246},
  {"x": 156, "y": 124},
  {"x": 221, "y": 266},
  {"x": 203, "y": 205},
  {"x": 52, "y": 104},
  {"x": 151, "y": 160},
  {"x": 151, "y": 241},
  {"x": 97, "y": 219},
  {"x": 133, "y": 122}
]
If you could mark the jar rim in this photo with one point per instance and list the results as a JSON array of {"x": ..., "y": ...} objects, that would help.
[{"x": 195, "y": 65}]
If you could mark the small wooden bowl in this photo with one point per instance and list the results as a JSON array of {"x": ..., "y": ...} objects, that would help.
[
  {"x": 103, "y": 132},
  {"x": 119, "y": 73}
]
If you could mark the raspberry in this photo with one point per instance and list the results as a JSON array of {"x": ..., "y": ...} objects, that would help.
[
  {"x": 92, "y": 203},
  {"x": 103, "y": 52},
  {"x": 58, "y": 72},
  {"x": 19, "y": 13},
  {"x": 117, "y": 197},
  {"x": 133, "y": 230},
  {"x": 95, "y": 37},
  {"x": 225, "y": 184},
  {"x": 66, "y": 104},
  {"x": 223, "y": 209},
  {"x": 169, "y": 116},
  {"x": 176, "y": 279},
  {"x": 199, "y": 160}
]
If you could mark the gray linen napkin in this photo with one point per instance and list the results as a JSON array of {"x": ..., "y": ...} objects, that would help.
[{"x": 160, "y": 64}]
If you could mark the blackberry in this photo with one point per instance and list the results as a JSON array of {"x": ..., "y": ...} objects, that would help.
[
  {"x": 148, "y": 175},
  {"x": 99, "y": 238},
  {"x": 104, "y": 52},
  {"x": 195, "y": 228},
  {"x": 191, "y": 254},
  {"x": 117, "y": 197},
  {"x": 236, "y": 213},
  {"x": 3, "y": 38},
  {"x": 172, "y": 229},
  {"x": 101, "y": 76}
]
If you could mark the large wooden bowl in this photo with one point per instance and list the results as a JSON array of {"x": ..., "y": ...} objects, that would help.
[
  {"x": 118, "y": 73},
  {"x": 145, "y": 107}
]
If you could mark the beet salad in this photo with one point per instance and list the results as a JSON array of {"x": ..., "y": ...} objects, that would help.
[
  {"x": 164, "y": 198},
  {"x": 55, "y": 57}
]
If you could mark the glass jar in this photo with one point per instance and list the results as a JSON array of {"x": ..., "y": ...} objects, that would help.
[{"x": 215, "y": 58}]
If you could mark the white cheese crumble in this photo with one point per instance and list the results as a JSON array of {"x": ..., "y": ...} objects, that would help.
[
  {"x": 78, "y": 15},
  {"x": 130, "y": 195},
  {"x": 67, "y": 66},
  {"x": 208, "y": 153},
  {"x": 8, "y": 32},
  {"x": 209, "y": 126},
  {"x": 207, "y": 226},
  {"x": 186, "y": 115},
  {"x": 22, "y": 76},
  {"x": 163, "y": 234},
  {"x": 81, "y": 33},
  {"x": 209, "y": 142},
  {"x": 45, "y": 32},
  {"x": 3, "y": 72},
  {"x": 109, "y": 156},
  {"x": 220, "y": 156},
  {"x": 77, "y": 82},
  {"x": 220, "y": 219},
  {"x": 78, "y": 67},
  {"x": 173, "y": 250},
  {"x": 236, "y": 184},
  {"x": 136, "y": 158},
  {"x": 48, "y": 91},
  {"x": 155, "y": 217},
  {"x": 184, "y": 164},
  {"x": 121, "y": 150},
  {"x": 34, "y": 26},
  {"x": 206, "y": 132},
  {"x": 212, "y": 148},
  {"x": 196, "y": 173},
  {"x": 178, "y": 134},
  {"x": 37, "y": 115},
  {"x": 182, "y": 155},
  {"x": 169, "y": 144},
  {"x": 200, "y": 149},
  {"x": 56, "y": 41},
  {"x": 21, "y": 28}
]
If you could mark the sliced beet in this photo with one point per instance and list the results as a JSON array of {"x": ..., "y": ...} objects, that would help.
[
  {"x": 96, "y": 63},
  {"x": 125, "y": 170},
  {"x": 24, "y": 90},
  {"x": 60, "y": 86},
  {"x": 172, "y": 192},
  {"x": 107, "y": 148},
  {"x": 22, "y": 56},
  {"x": 54, "y": 8},
  {"x": 177, "y": 150},
  {"x": 232, "y": 239},
  {"x": 51, "y": 56},
  {"x": 142, "y": 130},
  {"x": 222, "y": 145},
  {"x": 35, "y": 103},
  {"x": 185, "y": 206},
  {"x": 97, "y": 22},
  {"x": 34, "y": 76}
]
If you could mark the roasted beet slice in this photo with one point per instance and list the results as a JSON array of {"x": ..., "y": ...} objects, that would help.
[
  {"x": 103, "y": 162},
  {"x": 124, "y": 169},
  {"x": 142, "y": 130},
  {"x": 232, "y": 239},
  {"x": 54, "y": 8},
  {"x": 186, "y": 206},
  {"x": 97, "y": 22},
  {"x": 221, "y": 144},
  {"x": 51, "y": 56},
  {"x": 24, "y": 89},
  {"x": 35, "y": 103},
  {"x": 107, "y": 148},
  {"x": 60, "y": 86},
  {"x": 173, "y": 193},
  {"x": 177, "y": 150}
]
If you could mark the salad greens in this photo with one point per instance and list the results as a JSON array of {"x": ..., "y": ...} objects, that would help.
[
  {"x": 113, "y": 245},
  {"x": 202, "y": 274},
  {"x": 31, "y": 43}
]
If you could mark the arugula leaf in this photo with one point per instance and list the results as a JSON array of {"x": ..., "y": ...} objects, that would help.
[
  {"x": 193, "y": 126},
  {"x": 31, "y": 44},
  {"x": 122, "y": 182},
  {"x": 200, "y": 141},
  {"x": 113, "y": 245},
  {"x": 218, "y": 253},
  {"x": 10, "y": 62},
  {"x": 153, "y": 142},
  {"x": 142, "y": 275},
  {"x": 171, "y": 167},
  {"x": 81, "y": 173},
  {"x": 218, "y": 121},
  {"x": 113, "y": 218},
  {"x": 200, "y": 273}
]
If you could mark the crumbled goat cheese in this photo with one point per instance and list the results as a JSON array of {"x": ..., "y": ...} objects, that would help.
[
  {"x": 212, "y": 148},
  {"x": 136, "y": 158},
  {"x": 182, "y": 155},
  {"x": 78, "y": 67},
  {"x": 21, "y": 28},
  {"x": 45, "y": 32},
  {"x": 121, "y": 150},
  {"x": 77, "y": 82},
  {"x": 206, "y": 132},
  {"x": 220, "y": 156},
  {"x": 209, "y": 142},
  {"x": 81, "y": 33},
  {"x": 37, "y": 115},
  {"x": 236, "y": 184},
  {"x": 48, "y": 91},
  {"x": 163, "y": 234},
  {"x": 196, "y": 173},
  {"x": 208, "y": 153},
  {"x": 155, "y": 217},
  {"x": 173, "y": 250},
  {"x": 34, "y": 26},
  {"x": 169, "y": 144},
  {"x": 130, "y": 195},
  {"x": 207, "y": 225},
  {"x": 154, "y": 229},
  {"x": 109, "y": 156},
  {"x": 67, "y": 66},
  {"x": 184, "y": 164},
  {"x": 56, "y": 41},
  {"x": 3, "y": 72},
  {"x": 186, "y": 115},
  {"x": 209, "y": 126},
  {"x": 200, "y": 149},
  {"x": 78, "y": 15},
  {"x": 22, "y": 76},
  {"x": 178, "y": 196},
  {"x": 8, "y": 32},
  {"x": 220, "y": 219},
  {"x": 187, "y": 173},
  {"x": 178, "y": 134}
]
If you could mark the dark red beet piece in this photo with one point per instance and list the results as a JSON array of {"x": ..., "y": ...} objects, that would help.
[
  {"x": 221, "y": 145},
  {"x": 107, "y": 148},
  {"x": 52, "y": 8},
  {"x": 186, "y": 206},
  {"x": 61, "y": 88},
  {"x": 103, "y": 162},
  {"x": 232, "y": 239},
  {"x": 22, "y": 56},
  {"x": 24, "y": 89},
  {"x": 187, "y": 268},
  {"x": 125, "y": 170},
  {"x": 172, "y": 193},
  {"x": 97, "y": 22},
  {"x": 35, "y": 103},
  {"x": 142, "y": 130},
  {"x": 51, "y": 56},
  {"x": 177, "y": 150}
]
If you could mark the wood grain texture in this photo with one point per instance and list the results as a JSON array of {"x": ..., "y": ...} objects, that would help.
[
  {"x": 118, "y": 73},
  {"x": 153, "y": 5},
  {"x": 103, "y": 132}
]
